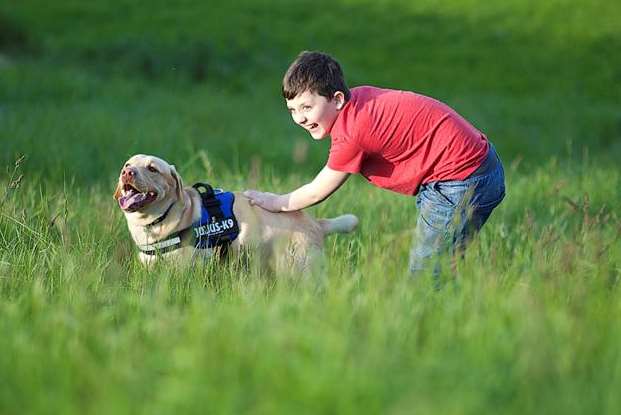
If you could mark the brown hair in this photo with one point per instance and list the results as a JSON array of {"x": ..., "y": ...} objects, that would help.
[{"x": 315, "y": 72}]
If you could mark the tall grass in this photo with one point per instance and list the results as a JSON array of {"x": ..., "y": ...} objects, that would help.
[{"x": 527, "y": 321}]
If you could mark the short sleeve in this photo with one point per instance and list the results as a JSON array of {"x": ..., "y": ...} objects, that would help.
[{"x": 345, "y": 156}]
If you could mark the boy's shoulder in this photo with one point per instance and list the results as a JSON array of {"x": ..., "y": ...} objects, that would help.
[
  {"x": 368, "y": 90},
  {"x": 357, "y": 114},
  {"x": 365, "y": 94},
  {"x": 372, "y": 106}
]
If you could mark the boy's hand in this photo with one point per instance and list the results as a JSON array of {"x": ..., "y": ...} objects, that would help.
[{"x": 268, "y": 201}]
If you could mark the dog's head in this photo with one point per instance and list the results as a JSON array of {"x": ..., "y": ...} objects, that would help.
[{"x": 147, "y": 184}]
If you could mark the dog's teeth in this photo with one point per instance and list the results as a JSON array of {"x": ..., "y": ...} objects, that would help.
[{"x": 151, "y": 193}]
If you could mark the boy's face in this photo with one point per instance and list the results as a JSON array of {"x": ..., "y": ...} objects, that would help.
[{"x": 315, "y": 113}]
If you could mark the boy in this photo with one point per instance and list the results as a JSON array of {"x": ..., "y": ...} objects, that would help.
[{"x": 397, "y": 140}]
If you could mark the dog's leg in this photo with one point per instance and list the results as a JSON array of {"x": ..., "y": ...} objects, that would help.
[{"x": 300, "y": 257}]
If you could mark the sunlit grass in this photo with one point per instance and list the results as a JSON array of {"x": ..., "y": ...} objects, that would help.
[
  {"x": 526, "y": 322},
  {"x": 524, "y": 317}
]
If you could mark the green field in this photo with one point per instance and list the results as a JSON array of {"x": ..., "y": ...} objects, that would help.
[{"x": 530, "y": 322}]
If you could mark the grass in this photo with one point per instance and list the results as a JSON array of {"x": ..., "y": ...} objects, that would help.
[{"x": 527, "y": 324}]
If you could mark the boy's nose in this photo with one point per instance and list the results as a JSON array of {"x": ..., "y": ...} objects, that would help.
[{"x": 299, "y": 119}]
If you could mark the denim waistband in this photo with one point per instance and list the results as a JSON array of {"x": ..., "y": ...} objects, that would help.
[{"x": 490, "y": 162}]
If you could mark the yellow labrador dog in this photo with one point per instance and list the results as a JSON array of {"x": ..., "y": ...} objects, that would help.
[{"x": 163, "y": 218}]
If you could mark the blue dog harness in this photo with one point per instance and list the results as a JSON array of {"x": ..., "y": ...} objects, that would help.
[{"x": 217, "y": 226}]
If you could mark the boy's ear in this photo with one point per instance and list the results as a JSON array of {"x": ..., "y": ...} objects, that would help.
[{"x": 339, "y": 98}]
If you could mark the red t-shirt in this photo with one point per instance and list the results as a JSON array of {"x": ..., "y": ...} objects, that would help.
[{"x": 399, "y": 140}]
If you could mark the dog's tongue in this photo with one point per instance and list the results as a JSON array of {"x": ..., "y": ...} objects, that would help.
[{"x": 133, "y": 200}]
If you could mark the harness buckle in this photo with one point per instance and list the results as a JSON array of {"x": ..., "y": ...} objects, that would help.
[{"x": 207, "y": 195}]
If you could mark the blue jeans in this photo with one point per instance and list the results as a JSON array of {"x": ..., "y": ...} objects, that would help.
[{"x": 451, "y": 212}]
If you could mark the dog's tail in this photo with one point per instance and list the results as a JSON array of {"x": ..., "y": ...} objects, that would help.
[{"x": 340, "y": 224}]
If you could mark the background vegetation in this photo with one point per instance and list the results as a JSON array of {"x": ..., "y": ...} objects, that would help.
[{"x": 528, "y": 323}]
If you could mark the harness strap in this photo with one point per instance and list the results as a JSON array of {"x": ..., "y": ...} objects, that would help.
[
  {"x": 208, "y": 198},
  {"x": 171, "y": 243},
  {"x": 161, "y": 218}
]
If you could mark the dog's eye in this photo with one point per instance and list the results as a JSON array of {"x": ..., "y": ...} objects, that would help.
[{"x": 152, "y": 169}]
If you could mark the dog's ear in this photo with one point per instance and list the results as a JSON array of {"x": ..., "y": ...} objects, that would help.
[
  {"x": 117, "y": 191},
  {"x": 178, "y": 181}
]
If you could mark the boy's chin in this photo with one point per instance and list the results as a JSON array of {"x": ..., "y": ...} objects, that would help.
[{"x": 318, "y": 135}]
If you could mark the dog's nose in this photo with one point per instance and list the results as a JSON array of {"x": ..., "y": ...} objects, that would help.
[{"x": 128, "y": 172}]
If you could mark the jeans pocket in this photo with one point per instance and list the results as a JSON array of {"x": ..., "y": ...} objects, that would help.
[
  {"x": 435, "y": 216},
  {"x": 453, "y": 193}
]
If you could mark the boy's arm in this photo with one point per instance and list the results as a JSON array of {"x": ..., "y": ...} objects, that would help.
[{"x": 322, "y": 186}]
